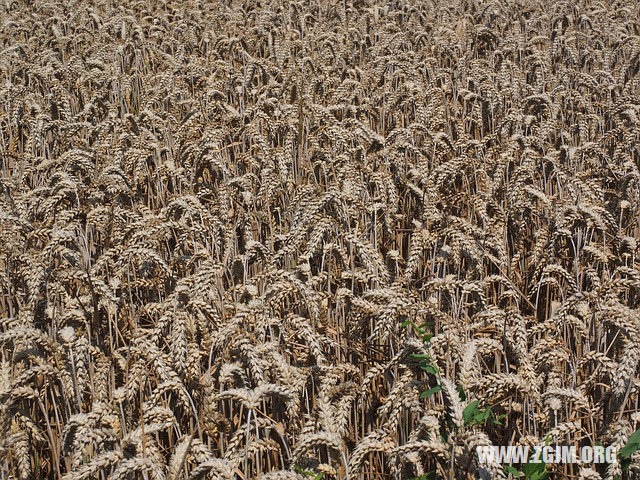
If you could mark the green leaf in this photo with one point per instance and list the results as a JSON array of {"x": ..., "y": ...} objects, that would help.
[
  {"x": 426, "y": 476},
  {"x": 405, "y": 323},
  {"x": 535, "y": 471},
  {"x": 469, "y": 412},
  {"x": 632, "y": 445},
  {"x": 628, "y": 450},
  {"x": 308, "y": 473},
  {"x": 419, "y": 356},
  {"x": 635, "y": 437},
  {"x": 429, "y": 369},
  {"x": 513, "y": 471},
  {"x": 301, "y": 471},
  {"x": 431, "y": 391},
  {"x": 498, "y": 419},
  {"x": 472, "y": 415},
  {"x": 486, "y": 415},
  {"x": 461, "y": 392}
]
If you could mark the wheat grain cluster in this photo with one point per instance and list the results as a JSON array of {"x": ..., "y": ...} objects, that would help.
[{"x": 348, "y": 239}]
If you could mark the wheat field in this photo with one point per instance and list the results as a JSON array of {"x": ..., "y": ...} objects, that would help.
[{"x": 319, "y": 239}]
